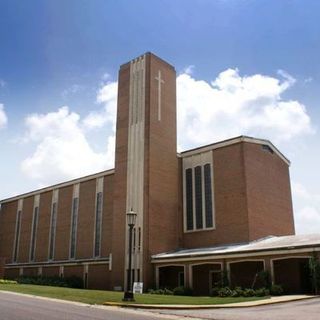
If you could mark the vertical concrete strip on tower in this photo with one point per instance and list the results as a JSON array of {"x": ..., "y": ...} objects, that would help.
[{"x": 135, "y": 164}]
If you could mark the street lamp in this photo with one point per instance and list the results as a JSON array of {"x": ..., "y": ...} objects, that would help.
[{"x": 131, "y": 220}]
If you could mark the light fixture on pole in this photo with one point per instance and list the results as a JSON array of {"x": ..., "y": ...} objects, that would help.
[{"x": 131, "y": 220}]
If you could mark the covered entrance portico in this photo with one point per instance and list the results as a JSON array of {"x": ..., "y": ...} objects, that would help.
[
  {"x": 275, "y": 260},
  {"x": 293, "y": 274},
  {"x": 205, "y": 276}
]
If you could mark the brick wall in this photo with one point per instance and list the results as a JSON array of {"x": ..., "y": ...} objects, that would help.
[
  {"x": 230, "y": 202},
  {"x": 43, "y": 230},
  {"x": 7, "y": 229},
  {"x": 268, "y": 193}
]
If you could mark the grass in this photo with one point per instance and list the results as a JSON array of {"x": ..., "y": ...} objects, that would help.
[{"x": 99, "y": 296}]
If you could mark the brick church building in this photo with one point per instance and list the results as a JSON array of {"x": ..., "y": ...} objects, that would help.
[{"x": 223, "y": 208}]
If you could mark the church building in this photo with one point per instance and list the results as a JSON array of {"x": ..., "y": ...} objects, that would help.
[{"x": 223, "y": 208}]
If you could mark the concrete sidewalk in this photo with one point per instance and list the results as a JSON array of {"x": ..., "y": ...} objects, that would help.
[{"x": 271, "y": 300}]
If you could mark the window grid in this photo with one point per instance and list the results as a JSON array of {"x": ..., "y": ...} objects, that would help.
[
  {"x": 208, "y": 195},
  {"x": 189, "y": 199},
  {"x": 74, "y": 221},
  {"x": 53, "y": 224},
  {"x": 17, "y": 237},
  {"x": 97, "y": 241},
  {"x": 34, "y": 233},
  {"x": 198, "y": 196}
]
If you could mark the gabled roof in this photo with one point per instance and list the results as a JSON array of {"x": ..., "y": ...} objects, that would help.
[{"x": 232, "y": 141}]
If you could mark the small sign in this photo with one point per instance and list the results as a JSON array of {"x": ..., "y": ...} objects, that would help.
[{"x": 137, "y": 287}]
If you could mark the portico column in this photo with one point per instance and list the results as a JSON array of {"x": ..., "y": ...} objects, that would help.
[{"x": 268, "y": 266}]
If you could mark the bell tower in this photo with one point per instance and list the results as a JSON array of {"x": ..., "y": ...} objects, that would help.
[{"x": 146, "y": 167}]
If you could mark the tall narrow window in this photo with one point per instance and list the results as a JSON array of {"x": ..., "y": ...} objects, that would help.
[
  {"x": 208, "y": 195},
  {"x": 74, "y": 220},
  {"x": 17, "y": 237},
  {"x": 97, "y": 240},
  {"x": 53, "y": 224},
  {"x": 189, "y": 199},
  {"x": 34, "y": 233},
  {"x": 139, "y": 239},
  {"x": 198, "y": 196},
  {"x": 134, "y": 239}
]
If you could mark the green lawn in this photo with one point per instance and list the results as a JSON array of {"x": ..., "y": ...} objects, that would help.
[{"x": 99, "y": 297}]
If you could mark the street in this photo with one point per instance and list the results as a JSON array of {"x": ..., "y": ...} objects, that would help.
[
  {"x": 306, "y": 310},
  {"x": 20, "y": 307}
]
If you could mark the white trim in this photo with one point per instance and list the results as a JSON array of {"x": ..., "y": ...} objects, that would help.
[
  {"x": 235, "y": 255},
  {"x": 198, "y": 264},
  {"x": 55, "y": 264},
  {"x": 110, "y": 262},
  {"x": 191, "y": 162},
  {"x": 171, "y": 265},
  {"x": 59, "y": 185},
  {"x": 283, "y": 258},
  {"x": 232, "y": 141},
  {"x": 61, "y": 271}
]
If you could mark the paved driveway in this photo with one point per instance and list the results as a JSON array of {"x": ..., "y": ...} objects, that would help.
[
  {"x": 300, "y": 310},
  {"x": 21, "y": 307}
]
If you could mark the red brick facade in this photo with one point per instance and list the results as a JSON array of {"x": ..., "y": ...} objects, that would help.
[{"x": 252, "y": 197}]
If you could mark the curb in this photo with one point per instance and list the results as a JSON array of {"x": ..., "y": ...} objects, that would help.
[{"x": 213, "y": 306}]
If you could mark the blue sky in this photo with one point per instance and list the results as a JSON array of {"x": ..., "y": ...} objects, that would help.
[{"x": 254, "y": 65}]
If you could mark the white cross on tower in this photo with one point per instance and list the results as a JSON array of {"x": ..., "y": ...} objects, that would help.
[{"x": 160, "y": 81}]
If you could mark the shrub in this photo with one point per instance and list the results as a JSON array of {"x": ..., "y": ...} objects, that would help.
[
  {"x": 161, "y": 291},
  {"x": 276, "y": 290},
  {"x": 72, "y": 282},
  {"x": 225, "y": 292},
  {"x": 182, "y": 291},
  {"x": 237, "y": 292},
  {"x": 248, "y": 293},
  {"x": 168, "y": 291},
  {"x": 4, "y": 281},
  {"x": 262, "y": 292},
  {"x": 215, "y": 291}
]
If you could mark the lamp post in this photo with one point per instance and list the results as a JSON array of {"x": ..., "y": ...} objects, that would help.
[{"x": 131, "y": 220}]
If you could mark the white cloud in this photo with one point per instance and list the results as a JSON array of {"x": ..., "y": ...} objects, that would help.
[
  {"x": 189, "y": 69},
  {"x": 107, "y": 95},
  {"x": 71, "y": 90},
  {"x": 307, "y": 209},
  {"x": 62, "y": 149},
  {"x": 230, "y": 105},
  {"x": 3, "y": 117},
  {"x": 233, "y": 105}
]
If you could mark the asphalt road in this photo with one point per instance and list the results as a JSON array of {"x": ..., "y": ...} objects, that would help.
[
  {"x": 299, "y": 310},
  {"x": 19, "y": 307}
]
